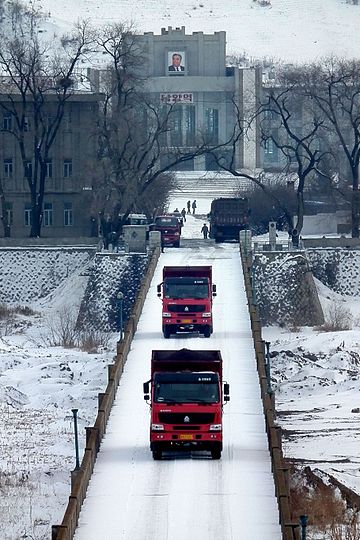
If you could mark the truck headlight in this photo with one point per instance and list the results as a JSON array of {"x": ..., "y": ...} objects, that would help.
[
  {"x": 177, "y": 234},
  {"x": 157, "y": 427},
  {"x": 215, "y": 427},
  {"x": 206, "y": 314},
  {"x": 166, "y": 314}
]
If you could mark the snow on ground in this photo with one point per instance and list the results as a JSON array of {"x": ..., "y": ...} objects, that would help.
[
  {"x": 316, "y": 379},
  {"x": 292, "y": 30},
  {"x": 39, "y": 385},
  {"x": 315, "y": 374}
]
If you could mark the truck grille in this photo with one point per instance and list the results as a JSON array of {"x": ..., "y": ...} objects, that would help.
[
  {"x": 179, "y": 418},
  {"x": 186, "y": 309}
]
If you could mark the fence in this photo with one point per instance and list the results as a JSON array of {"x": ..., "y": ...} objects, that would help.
[
  {"x": 80, "y": 478},
  {"x": 290, "y": 530}
]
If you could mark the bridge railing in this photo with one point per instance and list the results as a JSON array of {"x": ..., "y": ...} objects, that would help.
[
  {"x": 80, "y": 478},
  {"x": 290, "y": 529}
]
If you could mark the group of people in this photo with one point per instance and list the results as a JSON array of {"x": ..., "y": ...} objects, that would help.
[{"x": 192, "y": 205}]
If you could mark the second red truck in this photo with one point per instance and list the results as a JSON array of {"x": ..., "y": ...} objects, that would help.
[{"x": 187, "y": 295}]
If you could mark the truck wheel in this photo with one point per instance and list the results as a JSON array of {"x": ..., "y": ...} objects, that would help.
[
  {"x": 166, "y": 332},
  {"x": 157, "y": 454},
  {"x": 216, "y": 453},
  {"x": 218, "y": 240},
  {"x": 207, "y": 331},
  {"x": 177, "y": 244}
]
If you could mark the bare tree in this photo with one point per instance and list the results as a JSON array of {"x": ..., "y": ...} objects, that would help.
[
  {"x": 38, "y": 81},
  {"x": 245, "y": 121},
  {"x": 274, "y": 200},
  {"x": 334, "y": 86},
  {"x": 290, "y": 123}
]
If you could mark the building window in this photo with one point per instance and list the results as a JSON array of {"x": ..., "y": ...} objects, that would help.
[
  {"x": 27, "y": 215},
  {"x": 8, "y": 168},
  {"x": 9, "y": 212},
  {"x": 212, "y": 125},
  {"x": 270, "y": 151},
  {"x": 189, "y": 111},
  {"x": 48, "y": 215},
  {"x": 68, "y": 215},
  {"x": 27, "y": 169},
  {"x": 67, "y": 168},
  {"x": 7, "y": 121},
  {"x": 66, "y": 121},
  {"x": 48, "y": 166},
  {"x": 176, "y": 126}
]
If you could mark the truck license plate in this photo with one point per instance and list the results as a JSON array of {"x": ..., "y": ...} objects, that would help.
[
  {"x": 186, "y": 321},
  {"x": 186, "y": 437}
]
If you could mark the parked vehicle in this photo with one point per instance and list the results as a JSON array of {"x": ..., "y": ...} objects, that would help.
[
  {"x": 137, "y": 219},
  {"x": 170, "y": 229},
  {"x": 187, "y": 296},
  {"x": 228, "y": 216},
  {"x": 186, "y": 393}
]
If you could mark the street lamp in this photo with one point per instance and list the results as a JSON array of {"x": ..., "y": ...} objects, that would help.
[
  {"x": 77, "y": 462},
  {"x": 267, "y": 367},
  {"x": 253, "y": 283},
  {"x": 120, "y": 298},
  {"x": 303, "y": 523}
]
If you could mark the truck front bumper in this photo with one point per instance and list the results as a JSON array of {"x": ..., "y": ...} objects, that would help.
[
  {"x": 185, "y": 438},
  {"x": 191, "y": 324}
]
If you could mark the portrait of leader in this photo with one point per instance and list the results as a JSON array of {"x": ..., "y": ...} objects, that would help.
[{"x": 176, "y": 62}]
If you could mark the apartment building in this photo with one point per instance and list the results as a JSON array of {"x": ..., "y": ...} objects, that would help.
[{"x": 68, "y": 190}]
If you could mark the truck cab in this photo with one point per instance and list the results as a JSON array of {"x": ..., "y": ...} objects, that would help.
[
  {"x": 186, "y": 394},
  {"x": 170, "y": 228},
  {"x": 187, "y": 297}
]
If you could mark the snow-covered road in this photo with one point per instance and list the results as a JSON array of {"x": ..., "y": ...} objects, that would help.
[{"x": 187, "y": 496}]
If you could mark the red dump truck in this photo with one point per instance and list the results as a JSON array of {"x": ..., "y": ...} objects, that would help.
[
  {"x": 186, "y": 394},
  {"x": 187, "y": 293},
  {"x": 170, "y": 228}
]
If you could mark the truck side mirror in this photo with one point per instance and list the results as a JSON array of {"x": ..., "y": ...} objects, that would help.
[
  {"x": 226, "y": 398},
  {"x": 158, "y": 288},
  {"x": 226, "y": 389},
  {"x": 214, "y": 290},
  {"x": 146, "y": 388}
]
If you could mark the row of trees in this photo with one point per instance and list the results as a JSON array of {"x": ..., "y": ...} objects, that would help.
[
  {"x": 38, "y": 77},
  {"x": 311, "y": 114}
]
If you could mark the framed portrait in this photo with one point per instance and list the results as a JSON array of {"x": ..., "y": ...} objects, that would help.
[{"x": 176, "y": 62}]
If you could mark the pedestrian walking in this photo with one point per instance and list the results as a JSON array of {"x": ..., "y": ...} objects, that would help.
[
  {"x": 193, "y": 206},
  {"x": 183, "y": 213},
  {"x": 188, "y": 204},
  {"x": 205, "y": 230}
]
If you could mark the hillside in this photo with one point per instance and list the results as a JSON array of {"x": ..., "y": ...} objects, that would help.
[{"x": 291, "y": 30}]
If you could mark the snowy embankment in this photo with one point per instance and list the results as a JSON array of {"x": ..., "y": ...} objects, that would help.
[
  {"x": 41, "y": 381},
  {"x": 316, "y": 378}
]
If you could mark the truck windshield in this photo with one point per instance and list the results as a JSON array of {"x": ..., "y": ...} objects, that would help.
[
  {"x": 172, "y": 392},
  {"x": 186, "y": 288},
  {"x": 167, "y": 222}
]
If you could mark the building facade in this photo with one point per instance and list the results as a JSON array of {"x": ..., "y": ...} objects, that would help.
[
  {"x": 189, "y": 72},
  {"x": 68, "y": 188}
]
